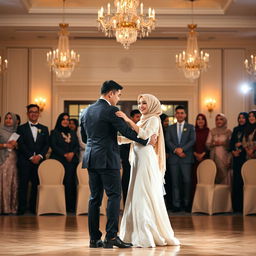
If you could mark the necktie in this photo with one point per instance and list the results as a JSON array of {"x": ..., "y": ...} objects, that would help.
[{"x": 179, "y": 132}]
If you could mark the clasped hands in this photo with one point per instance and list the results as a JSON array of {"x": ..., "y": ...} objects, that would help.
[
  {"x": 69, "y": 156},
  {"x": 11, "y": 144},
  {"x": 179, "y": 152}
]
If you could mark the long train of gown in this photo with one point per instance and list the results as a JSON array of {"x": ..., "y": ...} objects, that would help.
[{"x": 145, "y": 221}]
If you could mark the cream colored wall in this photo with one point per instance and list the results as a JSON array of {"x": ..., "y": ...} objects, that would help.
[{"x": 149, "y": 66}]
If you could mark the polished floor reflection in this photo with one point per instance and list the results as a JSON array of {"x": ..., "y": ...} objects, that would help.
[{"x": 60, "y": 235}]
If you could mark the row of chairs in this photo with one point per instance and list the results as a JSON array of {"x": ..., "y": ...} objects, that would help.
[
  {"x": 216, "y": 198},
  {"x": 51, "y": 191}
]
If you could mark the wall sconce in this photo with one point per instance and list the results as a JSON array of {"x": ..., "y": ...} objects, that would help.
[
  {"x": 41, "y": 102},
  {"x": 210, "y": 104},
  {"x": 3, "y": 64}
]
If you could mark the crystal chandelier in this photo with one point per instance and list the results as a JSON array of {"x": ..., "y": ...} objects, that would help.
[
  {"x": 3, "y": 64},
  {"x": 251, "y": 67},
  {"x": 191, "y": 61},
  {"x": 63, "y": 60},
  {"x": 126, "y": 24}
]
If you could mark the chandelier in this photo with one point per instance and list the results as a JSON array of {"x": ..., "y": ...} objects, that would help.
[
  {"x": 191, "y": 61},
  {"x": 251, "y": 67},
  {"x": 3, "y": 64},
  {"x": 63, "y": 60},
  {"x": 126, "y": 25}
]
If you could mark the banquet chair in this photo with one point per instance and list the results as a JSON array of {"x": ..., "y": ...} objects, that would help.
[
  {"x": 83, "y": 192},
  {"x": 51, "y": 192},
  {"x": 249, "y": 178},
  {"x": 209, "y": 197}
]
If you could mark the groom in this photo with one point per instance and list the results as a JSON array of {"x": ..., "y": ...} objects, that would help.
[{"x": 100, "y": 125}]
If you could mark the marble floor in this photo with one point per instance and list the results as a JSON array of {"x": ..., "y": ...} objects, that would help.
[{"x": 61, "y": 235}]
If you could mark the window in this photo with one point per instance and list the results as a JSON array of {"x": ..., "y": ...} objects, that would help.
[{"x": 75, "y": 108}]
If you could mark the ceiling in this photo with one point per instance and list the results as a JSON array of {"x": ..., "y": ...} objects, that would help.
[{"x": 216, "y": 19}]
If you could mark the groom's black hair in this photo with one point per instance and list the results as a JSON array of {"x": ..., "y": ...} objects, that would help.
[{"x": 110, "y": 85}]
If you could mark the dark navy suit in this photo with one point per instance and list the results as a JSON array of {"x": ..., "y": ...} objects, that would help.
[{"x": 102, "y": 159}]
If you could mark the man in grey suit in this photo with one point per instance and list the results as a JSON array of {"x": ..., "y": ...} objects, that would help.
[{"x": 180, "y": 139}]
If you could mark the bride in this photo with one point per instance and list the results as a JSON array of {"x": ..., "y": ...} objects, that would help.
[{"x": 145, "y": 221}]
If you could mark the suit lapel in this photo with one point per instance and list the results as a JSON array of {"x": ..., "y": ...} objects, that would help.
[
  {"x": 29, "y": 132},
  {"x": 183, "y": 131},
  {"x": 175, "y": 133}
]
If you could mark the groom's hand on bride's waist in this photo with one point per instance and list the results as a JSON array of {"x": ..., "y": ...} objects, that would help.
[{"x": 153, "y": 140}]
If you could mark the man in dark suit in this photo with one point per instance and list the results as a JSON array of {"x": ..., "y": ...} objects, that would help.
[
  {"x": 102, "y": 160},
  {"x": 180, "y": 138},
  {"x": 33, "y": 144},
  {"x": 124, "y": 154}
]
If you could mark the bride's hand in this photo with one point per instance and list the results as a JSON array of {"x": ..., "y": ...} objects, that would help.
[{"x": 122, "y": 115}]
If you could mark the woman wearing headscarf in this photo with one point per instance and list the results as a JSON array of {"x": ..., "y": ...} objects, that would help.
[
  {"x": 145, "y": 221},
  {"x": 65, "y": 148},
  {"x": 239, "y": 157},
  {"x": 218, "y": 142},
  {"x": 249, "y": 139},
  {"x": 8, "y": 168},
  {"x": 200, "y": 150}
]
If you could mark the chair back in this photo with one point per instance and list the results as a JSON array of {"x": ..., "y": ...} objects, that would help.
[
  {"x": 206, "y": 172},
  {"x": 249, "y": 172},
  {"x": 51, "y": 172},
  {"x": 82, "y": 175}
]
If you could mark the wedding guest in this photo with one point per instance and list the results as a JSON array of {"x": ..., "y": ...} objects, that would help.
[
  {"x": 73, "y": 124},
  {"x": 18, "y": 119},
  {"x": 8, "y": 166},
  {"x": 124, "y": 155},
  {"x": 218, "y": 143},
  {"x": 168, "y": 196},
  {"x": 249, "y": 140},
  {"x": 239, "y": 157},
  {"x": 65, "y": 148},
  {"x": 33, "y": 145},
  {"x": 180, "y": 139},
  {"x": 200, "y": 150}
]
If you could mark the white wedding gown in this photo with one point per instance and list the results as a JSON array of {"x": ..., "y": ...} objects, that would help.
[{"x": 145, "y": 221}]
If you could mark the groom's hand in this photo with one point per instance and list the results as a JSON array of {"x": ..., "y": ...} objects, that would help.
[{"x": 153, "y": 140}]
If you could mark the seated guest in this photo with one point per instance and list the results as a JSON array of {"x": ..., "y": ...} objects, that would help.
[
  {"x": 249, "y": 139},
  {"x": 65, "y": 148},
  {"x": 8, "y": 166},
  {"x": 200, "y": 150},
  {"x": 239, "y": 157},
  {"x": 33, "y": 145},
  {"x": 218, "y": 143},
  {"x": 73, "y": 124}
]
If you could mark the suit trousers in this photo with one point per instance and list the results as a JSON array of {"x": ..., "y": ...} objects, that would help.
[
  {"x": 110, "y": 181},
  {"x": 27, "y": 172},
  {"x": 181, "y": 178}
]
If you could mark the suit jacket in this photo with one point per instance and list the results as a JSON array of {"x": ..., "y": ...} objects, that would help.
[
  {"x": 188, "y": 138},
  {"x": 27, "y": 147},
  {"x": 100, "y": 125},
  {"x": 60, "y": 147}
]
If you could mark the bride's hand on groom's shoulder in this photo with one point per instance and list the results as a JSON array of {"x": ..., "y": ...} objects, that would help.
[{"x": 122, "y": 115}]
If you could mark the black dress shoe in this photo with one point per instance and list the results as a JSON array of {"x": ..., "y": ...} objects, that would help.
[
  {"x": 96, "y": 243},
  {"x": 109, "y": 243}
]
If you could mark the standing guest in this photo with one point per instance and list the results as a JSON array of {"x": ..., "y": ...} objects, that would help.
[
  {"x": 73, "y": 124},
  {"x": 239, "y": 157},
  {"x": 218, "y": 142},
  {"x": 200, "y": 149},
  {"x": 249, "y": 140},
  {"x": 8, "y": 166},
  {"x": 180, "y": 139},
  {"x": 168, "y": 196},
  {"x": 33, "y": 145},
  {"x": 65, "y": 148},
  {"x": 18, "y": 119},
  {"x": 124, "y": 154}
]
